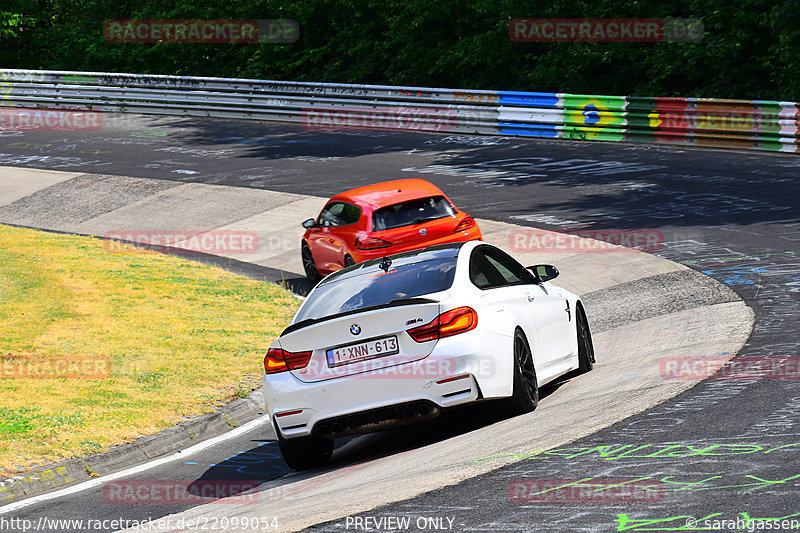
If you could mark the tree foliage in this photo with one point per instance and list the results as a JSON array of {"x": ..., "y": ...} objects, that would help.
[{"x": 751, "y": 48}]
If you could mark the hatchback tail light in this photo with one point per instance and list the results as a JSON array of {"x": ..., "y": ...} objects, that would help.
[
  {"x": 371, "y": 243},
  {"x": 278, "y": 360},
  {"x": 465, "y": 224},
  {"x": 459, "y": 320}
]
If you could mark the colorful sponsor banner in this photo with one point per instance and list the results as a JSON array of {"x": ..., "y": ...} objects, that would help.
[
  {"x": 589, "y": 117},
  {"x": 712, "y": 117},
  {"x": 536, "y": 116},
  {"x": 741, "y": 124},
  {"x": 526, "y": 99},
  {"x": 529, "y": 130},
  {"x": 765, "y": 125},
  {"x": 712, "y": 122},
  {"x": 389, "y": 118},
  {"x": 598, "y": 30}
]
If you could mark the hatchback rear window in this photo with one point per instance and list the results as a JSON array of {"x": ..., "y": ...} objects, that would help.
[
  {"x": 376, "y": 287},
  {"x": 411, "y": 212}
]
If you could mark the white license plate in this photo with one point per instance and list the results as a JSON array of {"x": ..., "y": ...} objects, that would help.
[{"x": 363, "y": 350}]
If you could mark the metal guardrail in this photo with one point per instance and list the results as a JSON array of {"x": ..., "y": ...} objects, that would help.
[{"x": 750, "y": 124}]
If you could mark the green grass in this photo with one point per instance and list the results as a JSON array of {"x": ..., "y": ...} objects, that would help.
[{"x": 178, "y": 339}]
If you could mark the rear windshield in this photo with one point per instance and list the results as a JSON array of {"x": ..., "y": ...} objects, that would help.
[
  {"x": 411, "y": 212},
  {"x": 377, "y": 287}
]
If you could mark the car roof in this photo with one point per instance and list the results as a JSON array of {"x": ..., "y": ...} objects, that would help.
[{"x": 389, "y": 192}]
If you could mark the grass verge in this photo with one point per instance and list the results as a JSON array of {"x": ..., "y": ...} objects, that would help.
[{"x": 99, "y": 348}]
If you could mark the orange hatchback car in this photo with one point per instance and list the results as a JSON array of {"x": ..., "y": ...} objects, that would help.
[{"x": 378, "y": 220}]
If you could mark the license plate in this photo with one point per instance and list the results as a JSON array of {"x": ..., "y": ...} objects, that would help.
[{"x": 351, "y": 353}]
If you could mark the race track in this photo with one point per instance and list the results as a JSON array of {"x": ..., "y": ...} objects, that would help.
[{"x": 721, "y": 448}]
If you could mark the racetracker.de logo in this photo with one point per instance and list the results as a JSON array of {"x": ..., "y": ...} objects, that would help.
[
  {"x": 21, "y": 118},
  {"x": 181, "y": 242},
  {"x": 605, "y": 30},
  {"x": 73, "y": 367},
  {"x": 198, "y": 31},
  {"x": 724, "y": 368},
  {"x": 586, "y": 240},
  {"x": 441, "y": 369},
  {"x": 366, "y": 118},
  {"x": 584, "y": 490},
  {"x": 180, "y": 492}
]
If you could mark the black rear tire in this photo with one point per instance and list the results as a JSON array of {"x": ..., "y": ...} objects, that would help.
[
  {"x": 349, "y": 261},
  {"x": 586, "y": 357},
  {"x": 308, "y": 264},
  {"x": 525, "y": 397},
  {"x": 303, "y": 453}
]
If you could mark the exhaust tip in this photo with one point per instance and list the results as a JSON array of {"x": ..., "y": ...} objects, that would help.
[
  {"x": 409, "y": 412},
  {"x": 337, "y": 428},
  {"x": 325, "y": 430},
  {"x": 423, "y": 410}
]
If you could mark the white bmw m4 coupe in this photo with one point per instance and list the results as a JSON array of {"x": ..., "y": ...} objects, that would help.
[{"x": 393, "y": 341}]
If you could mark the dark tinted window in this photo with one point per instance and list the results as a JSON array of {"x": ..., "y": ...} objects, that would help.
[
  {"x": 411, "y": 212},
  {"x": 376, "y": 287},
  {"x": 491, "y": 267},
  {"x": 339, "y": 214},
  {"x": 482, "y": 273}
]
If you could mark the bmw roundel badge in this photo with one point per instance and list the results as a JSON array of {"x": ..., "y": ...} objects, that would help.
[
  {"x": 355, "y": 329},
  {"x": 423, "y": 231}
]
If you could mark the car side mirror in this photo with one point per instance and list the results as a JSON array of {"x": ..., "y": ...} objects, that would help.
[
  {"x": 542, "y": 273},
  {"x": 308, "y": 224}
]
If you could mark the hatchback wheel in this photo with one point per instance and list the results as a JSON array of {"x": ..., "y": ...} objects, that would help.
[{"x": 308, "y": 264}]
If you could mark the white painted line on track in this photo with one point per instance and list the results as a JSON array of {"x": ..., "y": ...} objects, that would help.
[{"x": 188, "y": 452}]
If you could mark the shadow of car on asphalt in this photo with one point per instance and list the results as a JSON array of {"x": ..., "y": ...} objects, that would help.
[{"x": 263, "y": 465}]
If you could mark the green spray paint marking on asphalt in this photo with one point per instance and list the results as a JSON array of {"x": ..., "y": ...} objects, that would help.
[{"x": 629, "y": 451}]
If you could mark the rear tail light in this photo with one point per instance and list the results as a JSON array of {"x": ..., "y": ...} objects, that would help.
[
  {"x": 371, "y": 243},
  {"x": 465, "y": 224},
  {"x": 289, "y": 413},
  {"x": 426, "y": 332},
  {"x": 278, "y": 360},
  {"x": 459, "y": 320}
]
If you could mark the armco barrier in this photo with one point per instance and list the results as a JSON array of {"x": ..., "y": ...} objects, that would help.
[{"x": 750, "y": 124}]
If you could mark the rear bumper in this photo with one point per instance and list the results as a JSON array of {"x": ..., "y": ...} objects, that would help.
[
  {"x": 377, "y": 419},
  {"x": 472, "y": 234},
  {"x": 440, "y": 380}
]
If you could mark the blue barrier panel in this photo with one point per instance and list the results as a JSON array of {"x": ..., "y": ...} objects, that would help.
[
  {"x": 527, "y": 99},
  {"x": 528, "y": 130}
]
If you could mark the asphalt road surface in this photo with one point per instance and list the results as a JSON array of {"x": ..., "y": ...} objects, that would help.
[{"x": 723, "y": 451}]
